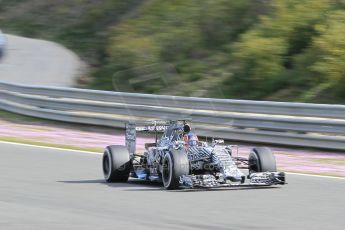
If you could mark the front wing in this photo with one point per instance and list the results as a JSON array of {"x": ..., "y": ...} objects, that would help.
[{"x": 255, "y": 179}]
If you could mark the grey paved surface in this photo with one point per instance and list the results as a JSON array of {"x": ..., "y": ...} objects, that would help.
[
  {"x": 53, "y": 189},
  {"x": 39, "y": 62}
]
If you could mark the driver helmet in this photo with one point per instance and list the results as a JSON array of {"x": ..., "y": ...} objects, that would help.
[{"x": 191, "y": 139}]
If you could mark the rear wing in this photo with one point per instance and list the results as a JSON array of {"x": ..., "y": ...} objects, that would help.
[
  {"x": 158, "y": 126},
  {"x": 132, "y": 128}
]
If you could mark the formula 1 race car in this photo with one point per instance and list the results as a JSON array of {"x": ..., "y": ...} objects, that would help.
[{"x": 179, "y": 160}]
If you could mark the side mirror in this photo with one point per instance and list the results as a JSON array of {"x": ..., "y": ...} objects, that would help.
[{"x": 220, "y": 141}]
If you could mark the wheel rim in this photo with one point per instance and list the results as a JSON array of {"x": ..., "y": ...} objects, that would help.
[
  {"x": 106, "y": 165},
  {"x": 166, "y": 171},
  {"x": 254, "y": 163}
]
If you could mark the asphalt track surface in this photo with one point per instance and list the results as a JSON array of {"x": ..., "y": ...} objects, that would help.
[
  {"x": 32, "y": 61},
  {"x": 43, "y": 188}
]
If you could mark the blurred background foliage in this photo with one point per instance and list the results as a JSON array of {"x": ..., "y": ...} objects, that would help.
[{"x": 282, "y": 50}]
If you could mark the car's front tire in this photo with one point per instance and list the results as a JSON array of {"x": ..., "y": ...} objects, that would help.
[
  {"x": 175, "y": 164},
  {"x": 261, "y": 160},
  {"x": 116, "y": 164}
]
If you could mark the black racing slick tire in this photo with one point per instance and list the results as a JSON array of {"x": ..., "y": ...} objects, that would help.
[
  {"x": 116, "y": 164},
  {"x": 175, "y": 164},
  {"x": 262, "y": 160}
]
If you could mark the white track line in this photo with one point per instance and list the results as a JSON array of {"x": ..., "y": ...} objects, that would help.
[
  {"x": 312, "y": 175},
  {"x": 96, "y": 153},
  {"x": 52, "y": 148}
]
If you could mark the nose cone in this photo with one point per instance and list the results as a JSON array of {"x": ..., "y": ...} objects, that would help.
[{"x": 233, "y": 174}]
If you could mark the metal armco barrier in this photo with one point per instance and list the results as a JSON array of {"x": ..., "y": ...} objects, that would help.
[{"x": 297, "y": 124}]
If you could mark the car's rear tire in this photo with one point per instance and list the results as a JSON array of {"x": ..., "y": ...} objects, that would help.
[
  {"x": 175, "y": 164},
  {"x": 116, "y": 164},
  {"x": 262, "y": 160}
]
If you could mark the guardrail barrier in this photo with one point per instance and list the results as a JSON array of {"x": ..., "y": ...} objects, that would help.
[{"x": 297, "y": 124}]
